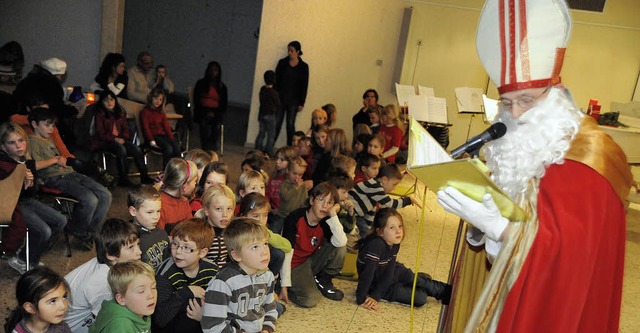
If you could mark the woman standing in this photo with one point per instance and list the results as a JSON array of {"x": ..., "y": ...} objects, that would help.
[
  {"x": 112, "y": 75},
  {"x": 210, "y": 99},
  {"x": 292, "y": 81}
]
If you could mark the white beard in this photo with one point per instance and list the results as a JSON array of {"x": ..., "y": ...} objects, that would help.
[{"x": 539, "y": 138}]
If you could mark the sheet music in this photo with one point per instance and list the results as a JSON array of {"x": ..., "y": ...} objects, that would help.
[
  {"x": 429, "y": 109},
  {"x": 438, "y": 110},
  {"x": 403, "y": 93},
  {"x": 490, "y": 107},
  {"x": 469, "y": 99},
  {"x": 426, "y": 91},
  {"x": 419, "y": 107}
]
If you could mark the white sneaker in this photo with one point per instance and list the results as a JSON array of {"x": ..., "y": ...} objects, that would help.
[{"x": 18, "y": 264}]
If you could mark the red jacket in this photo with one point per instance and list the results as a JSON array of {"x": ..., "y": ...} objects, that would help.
[
  {"x": 104, "y": 129},
  {"x": 154, "y": 122}
]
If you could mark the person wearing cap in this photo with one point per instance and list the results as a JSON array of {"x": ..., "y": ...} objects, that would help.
[
  {"x": 561, "y": 268},
  {"x": 44, "y": 84},
  {"x": 292, "y": 81}
]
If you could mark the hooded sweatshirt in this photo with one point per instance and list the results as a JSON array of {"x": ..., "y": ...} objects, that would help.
[{"x": 114, "y": 317}]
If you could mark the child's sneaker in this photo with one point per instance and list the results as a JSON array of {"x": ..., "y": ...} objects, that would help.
[
  {"x": 327, "y": 288},
  {"x": 18, "y": 264}
]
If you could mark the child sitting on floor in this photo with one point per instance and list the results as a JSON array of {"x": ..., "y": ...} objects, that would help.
[
  {"x": 134, "y": 299},
  {"x": 183, "y": 277},
  {"x": 380, "y": 276},
  {"x": 240, "y": 297},
  {"x": 145, "y": 208},
  {"x": 218, "y": 203},
  {"x": 179, "y": 182}
]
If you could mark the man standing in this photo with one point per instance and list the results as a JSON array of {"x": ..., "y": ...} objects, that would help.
[{"x": 560, "y": 270}]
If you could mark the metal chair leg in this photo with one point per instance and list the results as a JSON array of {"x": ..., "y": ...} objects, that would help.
[{"x": 26, "y": 245}]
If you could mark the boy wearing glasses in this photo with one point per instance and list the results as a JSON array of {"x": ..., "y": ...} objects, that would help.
[
  {"x": 319, "y": 244},
  {"x": 182, "y": 278}
]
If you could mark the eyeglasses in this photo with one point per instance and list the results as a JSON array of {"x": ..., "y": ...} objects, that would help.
[
  {"x": 184, "y": 248},
  {"x": 329, "y": 202},
  {"x": 525, "y": 102}
]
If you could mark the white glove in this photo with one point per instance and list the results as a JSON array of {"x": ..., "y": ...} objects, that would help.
[{"x": 483, "y": 215}]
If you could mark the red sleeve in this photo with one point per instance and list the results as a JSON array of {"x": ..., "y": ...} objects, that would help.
[
  {"x": 571, "y": 280},
  {"x": 145, "y": 114}
]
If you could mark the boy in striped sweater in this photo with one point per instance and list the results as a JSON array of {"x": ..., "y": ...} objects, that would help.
[
  {"x": 371, "y": 194},
  {"x": 240, "y": 298}
]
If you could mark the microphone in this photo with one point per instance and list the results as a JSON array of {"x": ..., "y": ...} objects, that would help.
[{"x": 495, "y": 131}]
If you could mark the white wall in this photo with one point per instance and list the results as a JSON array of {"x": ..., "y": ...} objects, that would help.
[
  {"x": 186, "y": 35},
  {"x": 341, "y": 41},
  {"x": 66, "y": 29}
]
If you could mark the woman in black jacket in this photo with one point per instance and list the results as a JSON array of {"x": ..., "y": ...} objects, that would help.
[{"x": 292, "y": 81}]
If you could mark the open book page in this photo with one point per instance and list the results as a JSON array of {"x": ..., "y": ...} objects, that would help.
[
  {"x": 423, "y": 148},
  {"x": 428, "y": 109},
  {"x": 469, "y": 99},
  {"x": 490, "y": 107},
  {"x": 433, "y": 166},
  {"x": 403, "y": 93}
]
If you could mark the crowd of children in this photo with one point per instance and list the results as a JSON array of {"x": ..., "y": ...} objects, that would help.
[{"x": 195, "y": 254}]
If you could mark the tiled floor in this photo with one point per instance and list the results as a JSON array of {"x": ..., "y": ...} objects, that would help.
[{"x": 437, "y": 235}]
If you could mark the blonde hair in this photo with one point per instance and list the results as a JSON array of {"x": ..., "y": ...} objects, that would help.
[
  {"x": 339, "y": 144},
  {"x": 177, "y": 173},
  {"x": 391, "y": 112},
  {"x": 9, "y": 128},
  {"x": 297, "y": 161},
  {"x": 123, "y": 273},
  {"x": 213, "y": 192},
  {"x": 249, "y": 177},
  {"x": 319, "y": 112},
  {"x": 242, "y": 231}
]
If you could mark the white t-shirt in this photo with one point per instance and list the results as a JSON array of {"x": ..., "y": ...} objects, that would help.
[{"x": 89, "y": 287}]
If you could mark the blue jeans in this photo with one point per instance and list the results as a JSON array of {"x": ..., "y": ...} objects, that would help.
[
  {"x": 45, "y": 226},
  {"x": 290, "y": 110},
  {"x": 93, "y": 205},
  {"x": 267, "y": 132}
]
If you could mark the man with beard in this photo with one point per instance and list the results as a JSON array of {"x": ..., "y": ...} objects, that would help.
[{"x": 561, "y": 269}]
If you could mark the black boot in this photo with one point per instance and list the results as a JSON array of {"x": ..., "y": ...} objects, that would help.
[
  {"x": 326, "y": 287},
  {"x": 440, "y": 290}
]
